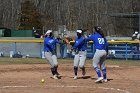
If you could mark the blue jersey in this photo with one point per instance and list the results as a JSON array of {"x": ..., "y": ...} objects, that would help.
[
  {"x": 100, "y": 42},
  {"x": 80, "y": 44},
  {"x": 50, "y": 44}
]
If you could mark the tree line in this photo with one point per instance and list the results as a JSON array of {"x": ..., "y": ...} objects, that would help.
[{"x": 74, "y": 14}]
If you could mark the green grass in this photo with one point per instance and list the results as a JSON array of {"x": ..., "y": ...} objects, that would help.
[
  {"x": 121, "y": 62},
  {"x": 124, "y": 62},
  {"x": 7, "y": 60},
  {"x": 21, "y": 60}
]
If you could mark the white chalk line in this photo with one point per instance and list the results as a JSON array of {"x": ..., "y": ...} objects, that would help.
[
  {"x": 14, "y": 87},
  {"x": 105, "y": 88},
  {"x": 68, "y": 86}
]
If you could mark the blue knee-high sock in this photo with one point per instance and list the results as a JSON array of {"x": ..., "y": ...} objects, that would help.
[
  {"x": 98, "y": 71},
  {"x": 104, "y": 73}
]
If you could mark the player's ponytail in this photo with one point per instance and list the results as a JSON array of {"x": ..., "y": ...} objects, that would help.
[
  {"x": 101, "y": 33},
  {"x": 98, "y": 30}
]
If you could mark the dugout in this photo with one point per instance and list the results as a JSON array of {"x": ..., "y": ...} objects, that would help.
[
  {"x": 124, "y": 49},
  {"x": 118, "y": 49},
  {"x": 22, "y": 33},
  {"x": 5, "y": 32}
]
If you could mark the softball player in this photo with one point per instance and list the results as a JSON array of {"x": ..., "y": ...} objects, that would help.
[
  {"x": 80, "y": 53},
  {"x": 49, "y": 49},
  {"x": 100, "y": 55}
]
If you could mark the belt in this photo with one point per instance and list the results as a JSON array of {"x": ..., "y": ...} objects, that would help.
[
  {"x": 100, "y": 49},
  {"x": 82, "y": 50},
  {"x": 48, "y": 51}
]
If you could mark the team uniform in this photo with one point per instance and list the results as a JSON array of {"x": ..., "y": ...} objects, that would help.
[
  {"x": 99, "y": 58},
  {"x": 50, "y": 54},
  {"x": 80, "y": 54}
]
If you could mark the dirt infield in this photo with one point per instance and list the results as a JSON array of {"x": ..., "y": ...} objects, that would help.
[{"x": 25, "y": 78}]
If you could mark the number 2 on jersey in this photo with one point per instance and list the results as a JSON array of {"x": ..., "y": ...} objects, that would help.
[{"x": 101, "y": 40}]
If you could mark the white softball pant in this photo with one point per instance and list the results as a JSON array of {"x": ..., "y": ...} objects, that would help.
[
  {"x": 52, "y": 59},
  {"x": 99, "y": 58},
  {"x": 80, "y": 58}
]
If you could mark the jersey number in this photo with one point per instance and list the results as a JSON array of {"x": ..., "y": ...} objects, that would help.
[{"x": 101, "y": 40}]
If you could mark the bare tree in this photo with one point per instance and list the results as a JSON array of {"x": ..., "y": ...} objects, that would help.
[{"x": 76, "y": 14}]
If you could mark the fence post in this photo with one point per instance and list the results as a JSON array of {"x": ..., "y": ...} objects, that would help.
[
  {"x": 40, "y": 50},
  {"x": 15, "y": 48},
  {"x": 126, "y": 52}
]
